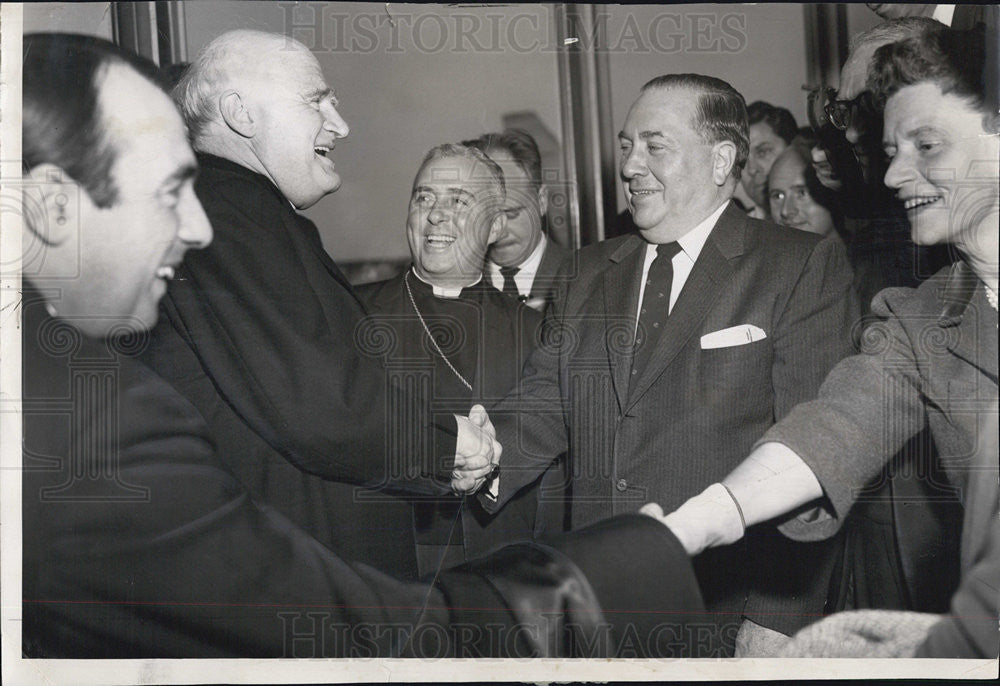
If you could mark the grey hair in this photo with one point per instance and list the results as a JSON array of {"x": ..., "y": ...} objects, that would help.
[
  {"x": 197, "y": 93},
  {"x": 446, "y": 150},
  {"x": 894, "y": 30}
]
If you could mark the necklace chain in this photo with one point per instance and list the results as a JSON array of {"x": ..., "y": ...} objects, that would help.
[{"x": 406, "y": 282}]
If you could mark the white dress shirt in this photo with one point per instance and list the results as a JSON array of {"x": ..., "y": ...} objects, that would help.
[
  {"x": 691, "y": 244},
  {"x": 526, "y": 271}
]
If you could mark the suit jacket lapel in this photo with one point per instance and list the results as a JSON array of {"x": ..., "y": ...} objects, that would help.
[
  {"x": 494, "y": 333},
  {"x": 621, "y": 302},
  {"x": 968, "y": 309},
  {"x": 699, "y": 293},
  {"x": 543, "y": 285}
]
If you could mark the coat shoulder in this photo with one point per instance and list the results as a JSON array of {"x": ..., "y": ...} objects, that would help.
[
  {"x": 770, "y": 236},
  {"x": 379, "y": 295},
  {"x": 929, "y": 298},
  {"x": 597, "y": 254}
]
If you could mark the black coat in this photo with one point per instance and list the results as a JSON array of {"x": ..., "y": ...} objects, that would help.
[
  {"x": 138, "y": 542},
  {"x": 258, "y": 331},
  {"x": 486, "y": 336}
]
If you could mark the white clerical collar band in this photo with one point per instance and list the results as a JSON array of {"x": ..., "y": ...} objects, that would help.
[{"x": 446, "y": 291}]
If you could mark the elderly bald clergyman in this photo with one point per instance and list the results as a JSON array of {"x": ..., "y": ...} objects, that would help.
[{"x": 258, "y": 332}]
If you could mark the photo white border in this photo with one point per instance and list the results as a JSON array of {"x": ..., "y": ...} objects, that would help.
[{"x": 18, "y": 670}]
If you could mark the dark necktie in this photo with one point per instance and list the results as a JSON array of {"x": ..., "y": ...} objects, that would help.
[
  {"x": 655, "y": 306},
  {"x": 509, "y": 285}
]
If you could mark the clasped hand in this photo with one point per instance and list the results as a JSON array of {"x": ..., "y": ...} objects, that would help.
[{"x": 477, "y": 452}]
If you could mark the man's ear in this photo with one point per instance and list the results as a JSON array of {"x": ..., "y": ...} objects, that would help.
[
  {"x": 53, "y": 204},
  {"x": 236, "y": 113},
  {"x": 723, "y": 159},
  {"x": 543, "y": 200},
  {"x": 497, "y": 228}
]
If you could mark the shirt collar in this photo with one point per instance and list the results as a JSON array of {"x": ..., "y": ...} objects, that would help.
[
  {"x": 530, "y": 265},
  {"x": 446, "y": 291},
  {"x": 694, "y": 240}
]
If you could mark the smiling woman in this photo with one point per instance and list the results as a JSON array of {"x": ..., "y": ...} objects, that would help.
[{"x": 943, "y": 141}]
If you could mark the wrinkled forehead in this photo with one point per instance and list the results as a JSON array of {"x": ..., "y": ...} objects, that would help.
[
  {"x": 662, "y": 108},
  {"x": 789, "y": 169},
  {"x": 924, "y": 105},
  {"x": 760, "y": 131},
  {"x": 282, "y": 64},
  {"x": 513, "y": 173},
  {"x": 458, "y": 173}
]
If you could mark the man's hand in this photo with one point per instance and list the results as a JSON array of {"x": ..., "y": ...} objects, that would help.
[
  {"x": 477, "y": 452},
  {"x": 824, "y": 169}
]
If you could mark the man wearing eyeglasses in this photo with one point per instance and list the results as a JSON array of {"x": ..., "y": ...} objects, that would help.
[
  {"x": 880, "y": 249},
  {"x": 850, "y": 109}
]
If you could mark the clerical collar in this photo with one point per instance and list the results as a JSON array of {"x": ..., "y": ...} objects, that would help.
[{"x": 446, "y": 291}]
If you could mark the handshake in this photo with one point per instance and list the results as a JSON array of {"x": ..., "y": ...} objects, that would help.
[
  {"x": 477, "y": 452},
  {"x": 706, "y": 520}
]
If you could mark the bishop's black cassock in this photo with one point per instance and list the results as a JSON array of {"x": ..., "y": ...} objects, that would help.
[{"x": 482, "y": 338}]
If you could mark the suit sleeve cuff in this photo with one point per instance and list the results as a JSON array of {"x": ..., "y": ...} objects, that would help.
[{"x": 641, "y": 576}]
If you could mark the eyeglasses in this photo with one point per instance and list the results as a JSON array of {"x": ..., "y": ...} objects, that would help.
[
  {"x": 841, "y": 113},
  {"x": 817, "y": 99}
]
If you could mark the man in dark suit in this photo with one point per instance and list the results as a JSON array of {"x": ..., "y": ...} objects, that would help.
[
  {"x": 258, "y": 330},
  {"x": 138, "y": 540},
  {"x": 653, "y": 407},
  {"x": 441, "y": 324},
  {"x": 523, "y": 262}
]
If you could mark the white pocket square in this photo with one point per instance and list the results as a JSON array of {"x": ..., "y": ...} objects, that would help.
[{"x": 734, "y": 335}]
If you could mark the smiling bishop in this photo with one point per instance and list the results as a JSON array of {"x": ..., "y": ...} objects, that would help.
[{"x": 463, "y": 338}]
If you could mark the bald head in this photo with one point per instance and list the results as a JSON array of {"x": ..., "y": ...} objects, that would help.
[
  {"x": 261, "y": 100},
  {"x": 863, "y": 47},
  {"x": 243, "y": 60}
]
